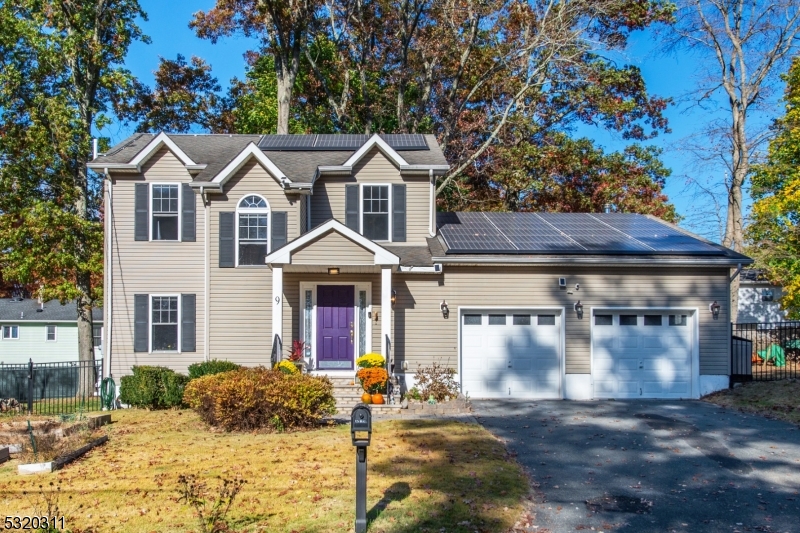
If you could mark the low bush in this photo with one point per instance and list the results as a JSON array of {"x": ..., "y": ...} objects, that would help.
[
  {"x": 153, "y": 387},
  {"x": 436, "y": 381},
  {"x": 260, "y": 398},
  {"x": 208, "y": 368}
]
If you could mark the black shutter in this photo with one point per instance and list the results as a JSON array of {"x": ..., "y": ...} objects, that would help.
[
  {"x": 141, "y": 329},
  {"x": 398, "y": 213},
  {"x": 227, "y": 246},
  {"x": 279, "y": 230},
  {"x": 141, "y": 225},
  {"x": 188, "y": 215},
  {"x": 351, "y": 207},
  {"x": 188, "y": 323}
]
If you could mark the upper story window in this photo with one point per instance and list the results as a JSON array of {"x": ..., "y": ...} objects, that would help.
[
  {"x": 50, "y": 333},
  {"x": 10, "y": 332},
  {"x": 375, "y": 212},
  {"x": 165, "y": 212},
  {"x": 252, "y": 230},
  {"x": 97, "y": 335}
]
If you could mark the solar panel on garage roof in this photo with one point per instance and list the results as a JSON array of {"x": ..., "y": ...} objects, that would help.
[
  {"x": 656, "y": 234},
  {"x": 592, "y": 235},
  {"x": 472, "y": 232},
  {"x": 531, "y": 233}
]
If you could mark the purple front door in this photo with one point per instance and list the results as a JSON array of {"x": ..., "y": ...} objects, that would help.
[{"x": 335, "y": 327}]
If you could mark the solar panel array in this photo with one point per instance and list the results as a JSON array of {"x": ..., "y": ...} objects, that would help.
[
  {"x": 344, "y": 142},
  {"x": 565, "y": 233}
]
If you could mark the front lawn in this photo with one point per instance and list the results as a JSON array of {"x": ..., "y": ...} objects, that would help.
[
  {"x": 423, "y": 476},
  {"x": 772, "y": 399}
]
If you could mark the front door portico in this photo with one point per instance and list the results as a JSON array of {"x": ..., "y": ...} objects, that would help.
[{"x": 335, "y": 327}]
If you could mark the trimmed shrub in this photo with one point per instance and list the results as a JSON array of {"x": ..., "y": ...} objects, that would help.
[
  {"x": 208, "y": 368},
  {"x": 260, "y": 398},
  {"x": 153, "y": 387}
]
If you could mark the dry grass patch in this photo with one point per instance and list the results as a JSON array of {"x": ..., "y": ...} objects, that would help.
[
  {"x": 422, "y": 476},
  {"x": 772, "y": 399}
]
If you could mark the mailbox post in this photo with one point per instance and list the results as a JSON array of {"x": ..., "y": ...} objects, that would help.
[{"x": 361, "y": 432}]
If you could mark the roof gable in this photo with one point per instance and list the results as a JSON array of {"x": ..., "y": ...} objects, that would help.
[
  {"x": 250, "y": 151},
  {"x": 162, "y": 139},
  {"x": 376, "y": 141}
]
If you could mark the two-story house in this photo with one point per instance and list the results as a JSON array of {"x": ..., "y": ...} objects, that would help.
[{"x": 233, "y": 246}]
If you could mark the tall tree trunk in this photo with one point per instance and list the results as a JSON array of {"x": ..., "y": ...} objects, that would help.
[
  {"x": 740, "y": 157},
  {"x": 285, "y": 85}
]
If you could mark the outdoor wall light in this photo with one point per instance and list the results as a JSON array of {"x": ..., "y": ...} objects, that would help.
[
  {"x": 445, "y": 309},
  {"x": 714, "y": 308},
  {"x": 578, "y": 309},
  {"x": 333, "y": 271},
  {"x": 394, "y": 297}
]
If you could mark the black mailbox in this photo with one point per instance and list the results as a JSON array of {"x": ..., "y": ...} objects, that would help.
[{"x": 361, "y": 425}]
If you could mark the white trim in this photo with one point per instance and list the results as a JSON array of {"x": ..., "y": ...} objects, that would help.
[
  {"x": 162, "y": 139},
  {"x": 389, "y": 213},
  {"x": 3, "y": 332},
  {"x": 206, "y": 276},
  {"x": 312, "y": 286},
  {"x": 284, "y": 254},
  {"x": 277, "y": 306},
  {"x": 694, "y": 323},
  {"x": 55, "y": 333},
  {"x": 386, "y": 315},
  {"x": 251, "y": 150},
  {"x": 254, "y": 210},
  {"x": 373, "y": 141},
  {"x": 150, "y": 322},
  {"x": 481, "y": 308},
  {"x": 432, "y": 205},
  {"x": 150, "y": 224}
]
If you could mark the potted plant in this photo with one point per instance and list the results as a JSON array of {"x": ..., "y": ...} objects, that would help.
[
  {"x": 373, "y": 380},
  {"x": 298, "y": 351},
  {"x": 287, "y": 367}
]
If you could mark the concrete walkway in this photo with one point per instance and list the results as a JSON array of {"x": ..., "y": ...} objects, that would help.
[{"x": 651, "y": 466}]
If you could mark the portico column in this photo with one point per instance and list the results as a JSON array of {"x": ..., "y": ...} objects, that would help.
[
  {"x": 386, "y": 310},
  {"x": 277, "y": 304}
]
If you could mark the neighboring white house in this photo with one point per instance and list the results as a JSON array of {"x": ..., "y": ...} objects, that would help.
[
  {"x": 759, "y": 298},
  {"x": 45, "y": 333}
]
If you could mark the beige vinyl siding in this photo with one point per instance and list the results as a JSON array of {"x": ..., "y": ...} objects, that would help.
[
  {"x": 333, "y": 249},
  {"x": 376, "y": 169},
  {"x": 158, "y": 267},
  {"x": 240, "y": 314},
  {"x": 423, "y": 336}
]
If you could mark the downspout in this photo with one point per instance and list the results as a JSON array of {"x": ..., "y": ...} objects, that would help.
[
  {"x": 432, "y": 213},
  {"x": 206, "y": 284},
  {"x": 736, "y": 273},
  {"x": 108, "y": 292}
]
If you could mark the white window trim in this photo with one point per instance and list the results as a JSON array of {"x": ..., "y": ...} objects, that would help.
[
  {"x": 268, "y": 211},
  {"x": 361, "y": 208},
  {"x": 3, "y": 332},
  {"x": 180, "y": 210},
  {"x": 150, "y": 322},
  {"x": 312, "y": 286},
  {"x": 47, "y": 333}
]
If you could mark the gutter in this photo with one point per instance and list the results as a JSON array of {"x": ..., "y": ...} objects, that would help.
[
  {"x": 615, "y": 261},
  {"x": 736, "y": 273}
]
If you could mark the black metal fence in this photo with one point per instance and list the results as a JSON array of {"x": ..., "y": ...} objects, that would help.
[
  {"x": 50, "y": 388},
  {"x": 765, "y": 351}
]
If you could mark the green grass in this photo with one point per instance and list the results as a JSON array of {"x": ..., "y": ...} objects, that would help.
[{"x": 422, "y": 476}]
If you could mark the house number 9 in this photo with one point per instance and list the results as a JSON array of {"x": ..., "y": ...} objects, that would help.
[{"x": 277, "y": 299}]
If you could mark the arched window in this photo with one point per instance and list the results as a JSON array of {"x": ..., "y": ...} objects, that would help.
[{"x": 252, "y": 230}]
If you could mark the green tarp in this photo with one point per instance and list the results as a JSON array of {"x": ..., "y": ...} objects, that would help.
[{"x": 775, "y": 354}]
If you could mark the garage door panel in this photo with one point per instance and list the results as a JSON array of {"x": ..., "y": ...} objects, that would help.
[
  {"x": 628, "y": 342},
  {"x": 653, "y": 342},
  {"x": 520, "y": 359}
]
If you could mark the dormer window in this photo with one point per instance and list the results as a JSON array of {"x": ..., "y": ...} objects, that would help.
[
  {"x": 252, "y": 225},
  {"x": 375, "y": 212}
]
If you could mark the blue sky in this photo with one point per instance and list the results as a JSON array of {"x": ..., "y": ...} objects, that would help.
[{"x": 666, "y": 75}]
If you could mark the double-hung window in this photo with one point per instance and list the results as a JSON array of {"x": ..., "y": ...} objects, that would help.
[
  {"x": 165, "y": 211},
  {"x": 50, "y": 333},
  {"x": 164, "y": 322},
  {"x": 97, "y": 335},
  {"x": 375, "y": 212},
  {"x": 253, "y": 237},
  {"x": 10, "y": 332}
]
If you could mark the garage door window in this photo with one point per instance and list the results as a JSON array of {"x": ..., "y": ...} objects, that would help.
[
  {"x": 652, "y": 320},
  {"x": 472, "y": 320},
  {"x": 546, "y": 320},
  {"x": 522, "y": 320},
  {"x": 677, "y": 320},
  {"x": 603, "y": 320},
  {"x": 497, "y": 320},
  {"x": 627, "y": 320}
]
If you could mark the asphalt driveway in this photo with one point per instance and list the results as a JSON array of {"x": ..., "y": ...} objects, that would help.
[{"x": 651, "y": 466}]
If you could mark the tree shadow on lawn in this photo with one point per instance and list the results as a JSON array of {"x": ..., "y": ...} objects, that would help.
[{"x": 460, "y": 478}]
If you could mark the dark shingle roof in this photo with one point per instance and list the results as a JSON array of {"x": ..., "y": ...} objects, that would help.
[
  {"x": 216, "y": 151},
  {"x": 26, "y": 310},
  {"x": 412, "y": 255}
]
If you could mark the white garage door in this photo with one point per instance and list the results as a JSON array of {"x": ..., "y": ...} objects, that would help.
[
  {"x": 642, "y": 354},
  {"x": 511, "y": 354}
]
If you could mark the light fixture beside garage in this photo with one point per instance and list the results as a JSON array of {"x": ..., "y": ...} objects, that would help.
[
  {"x": 394, "y": 297},
  {"x": 445, "y": 310},
  {"x": 714, "y": 308},
  {"x": 333, "y": 271},
  {"x": 579, "y": 309}
]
